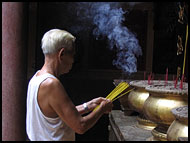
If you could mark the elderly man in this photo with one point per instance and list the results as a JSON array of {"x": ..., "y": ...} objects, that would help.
[{"x": 51, "y": 115}]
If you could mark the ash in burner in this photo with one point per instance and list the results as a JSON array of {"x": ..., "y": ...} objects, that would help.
[
  {"x": 144, "y": 83},
  {"x": 180, "y": 112},
  {"x": 168, "y": 89},
  {"x": 107, "y": 18}
]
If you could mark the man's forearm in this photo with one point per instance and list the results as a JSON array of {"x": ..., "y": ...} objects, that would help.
[
  {"x": 90, "y": 106},
  {"x": 81, "y": 109},
  {"x": 91, "y": 119}
]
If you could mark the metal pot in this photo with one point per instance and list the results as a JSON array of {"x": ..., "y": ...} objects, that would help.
[
  {"x": 136, "y": 99},
  {"x": 179, "y": 127},
  {"x": 157, "y": 108}
]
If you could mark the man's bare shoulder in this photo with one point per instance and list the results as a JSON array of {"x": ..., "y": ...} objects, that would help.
[
  {"x": 52, "y": 85},
  {"x": 51, "y": 82}
]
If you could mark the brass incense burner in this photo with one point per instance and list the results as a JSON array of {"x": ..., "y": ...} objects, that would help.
[
  {"x": 157, "y": 108},
  {"x": 179, "y": 127},
  {"x": 136, "y": 100}
]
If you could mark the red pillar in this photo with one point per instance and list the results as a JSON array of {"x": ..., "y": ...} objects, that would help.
[{"x": 14, "y": 60}]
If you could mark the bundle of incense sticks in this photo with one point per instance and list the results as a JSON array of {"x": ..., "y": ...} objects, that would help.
[{"x": 116, "y": 91}]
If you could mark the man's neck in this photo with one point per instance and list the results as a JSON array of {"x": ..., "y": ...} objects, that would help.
[{"x": 50, "y": 67}]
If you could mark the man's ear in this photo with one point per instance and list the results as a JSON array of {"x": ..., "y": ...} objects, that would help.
[{"x": 61, "y": 52}]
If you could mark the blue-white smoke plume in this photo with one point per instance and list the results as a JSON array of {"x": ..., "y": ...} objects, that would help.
[{"x": 107, "y": 17}]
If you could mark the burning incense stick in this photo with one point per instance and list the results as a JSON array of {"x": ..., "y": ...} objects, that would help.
[
  {"x": 176, "y": 82},
  {"x": 181, "y": 84},
  {"x": 149, "y": 78},
  {"x": 185, "y": 50},
  {"x": 166, "y": 80}
]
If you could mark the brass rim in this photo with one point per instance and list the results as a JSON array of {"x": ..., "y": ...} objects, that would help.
[
  {"x": 145, "y": 124},
  {"x": 159, "y": 135}
]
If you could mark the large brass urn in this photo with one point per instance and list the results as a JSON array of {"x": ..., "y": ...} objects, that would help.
[
  {"x": 157, "y": 108},
  {"x": 179, "y": 127},
  {"x": 136, "y": 100}
]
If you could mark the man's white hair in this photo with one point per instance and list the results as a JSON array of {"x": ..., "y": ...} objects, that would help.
[{"x": 55, "y": 39}]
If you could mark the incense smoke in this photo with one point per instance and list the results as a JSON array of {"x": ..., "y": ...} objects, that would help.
[{"x": 107, "y": 17}]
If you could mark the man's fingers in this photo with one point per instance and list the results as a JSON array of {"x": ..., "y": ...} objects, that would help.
[{"x": 100, "y": 99}]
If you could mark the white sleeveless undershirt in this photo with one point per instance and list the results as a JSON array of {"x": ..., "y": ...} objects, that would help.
[{"x": 38, "y": 126}]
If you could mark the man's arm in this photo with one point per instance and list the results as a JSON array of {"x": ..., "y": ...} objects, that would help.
[{"x": 66, "y": 110}]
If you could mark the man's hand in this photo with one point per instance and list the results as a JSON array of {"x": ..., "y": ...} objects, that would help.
[
  {"x": 106, "y": 106},
  {"x": 95, "y": 102}
]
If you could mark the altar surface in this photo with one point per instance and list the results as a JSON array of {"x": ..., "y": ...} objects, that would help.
[{"x": 124, "y": 128}]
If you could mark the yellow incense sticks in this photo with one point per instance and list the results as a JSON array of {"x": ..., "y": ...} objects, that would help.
[
  {"x": 123, "y": 94},
  {"x": 116, "y": 91}
]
